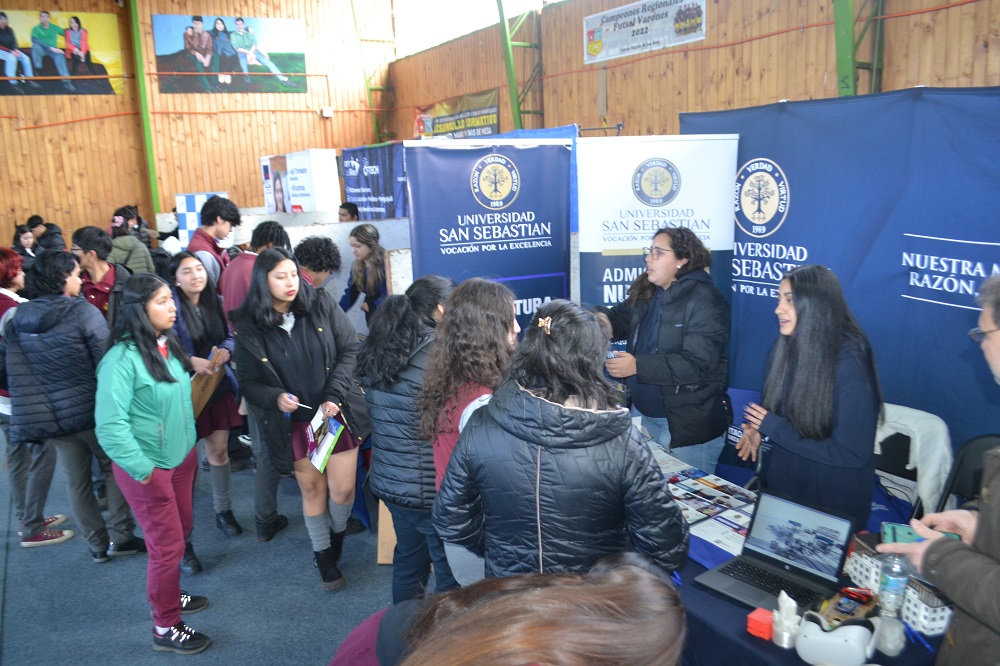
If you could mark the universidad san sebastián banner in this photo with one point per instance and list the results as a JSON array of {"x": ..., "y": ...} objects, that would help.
[
  {"x": 643, "y": 26},
  {"x": 495, "y": 209},
  {"x": 909, "y": 227},
  {"x": 375, "y": 180},
  {"x": 630, "y": 187},
  {"x": 462, "y": 117}
]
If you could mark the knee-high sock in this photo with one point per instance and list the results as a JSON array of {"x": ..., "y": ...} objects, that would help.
[
  {"x": 319, "y": 532},
  {"x": 339, "y": 513},
  {"x": 222, "y": 488}
]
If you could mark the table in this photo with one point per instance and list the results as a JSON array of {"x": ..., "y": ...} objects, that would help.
[{"x": 717, "y": 633}]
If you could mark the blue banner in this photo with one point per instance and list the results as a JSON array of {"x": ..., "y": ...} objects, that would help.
[
  {"x": 497, "y": 210},
  {"x": 897, "y": 193},
  {"x": 375, "y": 180}
]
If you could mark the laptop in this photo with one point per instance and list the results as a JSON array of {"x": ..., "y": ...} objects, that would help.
[{"x": 789, "y": 546}]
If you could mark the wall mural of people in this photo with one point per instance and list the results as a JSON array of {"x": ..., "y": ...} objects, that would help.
[
  {"x": 49, "y": 52},
  {"x": 220, "y": 54}
]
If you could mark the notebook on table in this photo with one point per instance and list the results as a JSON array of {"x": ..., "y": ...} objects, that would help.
[{"x": 790, "y": 547}]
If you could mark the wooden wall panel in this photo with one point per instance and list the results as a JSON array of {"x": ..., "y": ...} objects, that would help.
[
  {"x": 75, "y": 172},
  {"x": 72, "y": 159}
]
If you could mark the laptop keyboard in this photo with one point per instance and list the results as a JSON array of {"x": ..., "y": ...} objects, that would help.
[{"x": 769, "y": 582}]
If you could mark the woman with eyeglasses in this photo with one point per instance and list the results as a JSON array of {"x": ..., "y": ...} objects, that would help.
[
  {"x": 821, "y": 400},
  {"x": 675, "y": 369}
]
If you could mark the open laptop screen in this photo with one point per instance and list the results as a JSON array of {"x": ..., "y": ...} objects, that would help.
[{"x": 805, "y": 538}]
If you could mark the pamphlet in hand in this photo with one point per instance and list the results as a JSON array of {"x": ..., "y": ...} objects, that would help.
[{"x": 323, "y": 434}]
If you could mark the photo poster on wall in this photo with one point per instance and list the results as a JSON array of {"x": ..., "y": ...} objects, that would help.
[
  {"x": 229, "y": 54},
  {"x": 641, "y": 27},
  {"x": 493, "y": 209},
  {"x": 461, "y": 117},
  {"x": 375, "y": 180},
  {"x": 811, "y": 189},
  {"x": 72, "y": 44},
  {"x": 303, "y": 182},
  {"x": 630, "y": 187},
  {"x": 189, "y": 215}
]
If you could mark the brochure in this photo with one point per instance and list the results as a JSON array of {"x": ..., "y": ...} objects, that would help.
[{"x": 323, "y": 434}]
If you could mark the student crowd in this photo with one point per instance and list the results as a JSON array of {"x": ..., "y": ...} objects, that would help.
[{"x": 511, "y": 468}]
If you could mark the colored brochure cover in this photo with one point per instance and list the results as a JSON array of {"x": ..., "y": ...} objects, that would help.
[{"x": 323, "y": 435}]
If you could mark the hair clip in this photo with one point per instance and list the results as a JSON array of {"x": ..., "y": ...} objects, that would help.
[
  {"x": 117, "y": 221},
  {"x": 546, "y": 323}
]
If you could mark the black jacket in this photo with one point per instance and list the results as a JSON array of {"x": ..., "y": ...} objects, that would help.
[
  {"x": 52, "y": 239},
  {"x": 599, "y": 490},
  {"x": 259, "y": 381},
  {"x": 689, "y": 365},
  {"x": 402, "y": 467},
  {"x": 48, "y": 362}
]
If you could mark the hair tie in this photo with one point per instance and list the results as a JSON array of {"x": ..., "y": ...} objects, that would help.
[
  {"x": 546, "y": 323},
  {"x": 117, "y": 221}
]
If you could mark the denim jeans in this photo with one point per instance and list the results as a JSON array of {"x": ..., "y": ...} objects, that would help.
[
  {"x": 417, "y": 546},
  {"x": 10, "y": 64},
  {"x": 701, "y": 456},
  {"x": 262, "y": 59},
  {"x": 38, "y": 53}
]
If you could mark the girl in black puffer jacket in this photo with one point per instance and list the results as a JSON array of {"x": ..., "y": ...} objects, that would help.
[
  {"x": 551, "y": 475},
  {"x": 391, "y": 369}
]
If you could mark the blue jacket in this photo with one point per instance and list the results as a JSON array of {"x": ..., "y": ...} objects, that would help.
[{"x": 48, "y": 359}]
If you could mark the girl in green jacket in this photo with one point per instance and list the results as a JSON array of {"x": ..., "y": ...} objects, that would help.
[{"x": 145, "y": 423}]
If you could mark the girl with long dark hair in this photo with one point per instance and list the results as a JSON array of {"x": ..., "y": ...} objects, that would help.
[
  {"x": 295, "y": 354},
  {"x": 201, "y": 327},
  {"x": 367, "y": 272},
  {"x": 145, "y": 423},
  {"x": 471, "y": 352},
  {"x": 821, "y": 400},
  {"x": 391, "y": 367},
  {"x": 676, "y": 324},
  {"x": 551, "y": 475}
]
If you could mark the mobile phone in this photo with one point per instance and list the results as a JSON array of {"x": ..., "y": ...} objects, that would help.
[{"x": 899, "y": 533}]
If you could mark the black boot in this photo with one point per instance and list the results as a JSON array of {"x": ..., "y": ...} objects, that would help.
[
  {"x": 330, "y": 575},
  {"x": 190, "y": 563},
  {"x": 337, "y": 544}
]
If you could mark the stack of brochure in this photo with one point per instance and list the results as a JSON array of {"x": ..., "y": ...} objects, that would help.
[{"x": 323, "y": 435}]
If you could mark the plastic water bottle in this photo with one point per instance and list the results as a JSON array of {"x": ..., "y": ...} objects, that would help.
[{"x": 894, "y": 576}]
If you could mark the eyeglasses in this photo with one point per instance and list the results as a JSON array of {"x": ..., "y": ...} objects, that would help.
[
  {"x": 657, "y": 252},
  {"x": 977, "y": 334}
]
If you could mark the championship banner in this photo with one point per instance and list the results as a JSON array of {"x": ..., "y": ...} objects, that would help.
[
  {"x": 463, "y": 117},
  {"x": 908, "y": 226},
  {"x": 375, "y": 180},
  {"x": 630, "y": 187},
  {"x": 496, "y": 209},
  {"x": 643, "y": 26}
]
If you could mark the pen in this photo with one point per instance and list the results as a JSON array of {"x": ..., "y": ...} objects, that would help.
[{"x": 916, "y": 637}]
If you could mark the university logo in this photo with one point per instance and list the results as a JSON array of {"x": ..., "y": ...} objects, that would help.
[
  {"x": 656, "y": 182},
  {"x": 761, "y": 202},
  {"x": 351, "y": 168},
  {"x": 495, "y": 182},
  {"x": 595, "y": 41}
]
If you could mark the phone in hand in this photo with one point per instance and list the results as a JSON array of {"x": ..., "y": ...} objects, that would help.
[{"x": 900, "y": 533}]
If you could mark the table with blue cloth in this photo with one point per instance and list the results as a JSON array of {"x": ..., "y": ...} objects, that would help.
[{"x": 717, "y": 633}]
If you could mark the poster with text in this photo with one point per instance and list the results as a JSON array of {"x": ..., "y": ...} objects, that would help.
[
  {"x": 301, "y": 182},
  {"x": 229, "y": 54},
  {"x": 643, "y": 26},
  {"x": 630, "y": 187},
  {"x": 909, "y": 228},
  {"x": 498, "y": 210},
  {"x": 462, "y": 117},
  {"x": 80, "y": 51},
  {"x": 375, "y": 180}
]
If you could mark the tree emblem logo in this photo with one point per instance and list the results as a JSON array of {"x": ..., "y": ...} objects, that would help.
[
  {"x": 495, "y": 182},
  {"x": 762, "y": 197},
  {"x": 656, "y": 182}
]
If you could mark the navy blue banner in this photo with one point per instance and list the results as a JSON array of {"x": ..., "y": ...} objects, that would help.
[
  {"x": 493, "y": 211},
  {"x": 375, "y": 180},
  {"x": 897, "y": 193}
]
